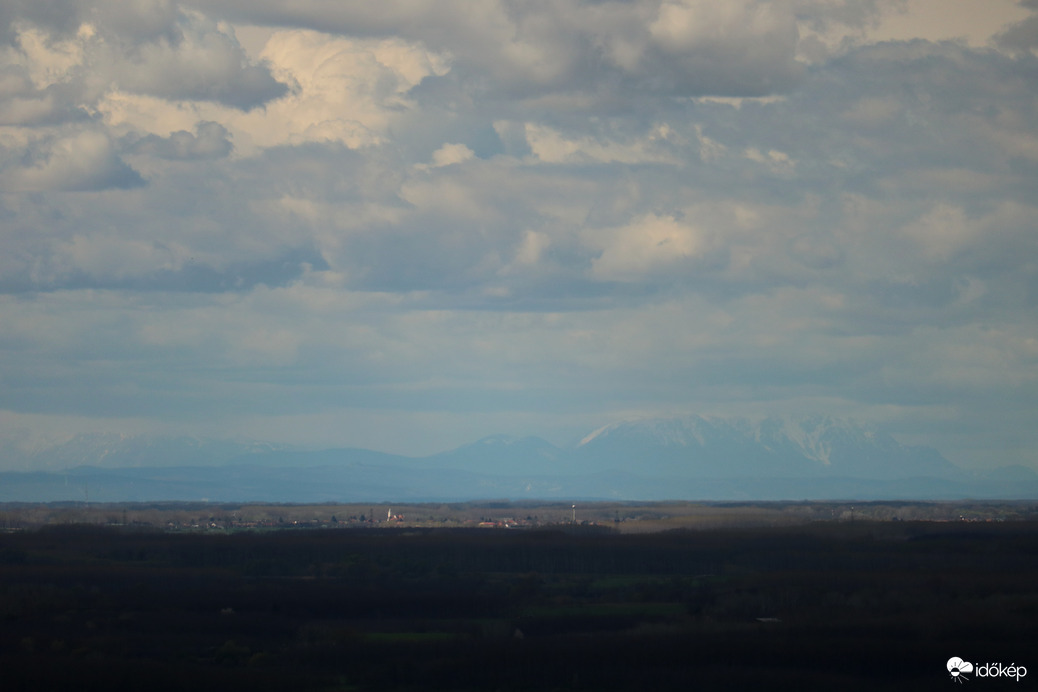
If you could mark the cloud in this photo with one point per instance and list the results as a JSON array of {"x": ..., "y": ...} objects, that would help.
[
  {"x": 345, "y": 90},
  {"x": 941, "y": 232},
  {"x": 22, "y": 104},
  {"x": 535, "y": 212},
  {"x": 735, "y": 49},
  {"x": 644, "y": 249},
  {"x": 552, "y": 146},
  {"x": 210, "y": 140},
  {"x": 60, "y": 16},
  {"x": 688, "y": 48},
  {"x": 71, "y": 57},
  {"x": 80, "y": 161},
  {"x": 452, "y": 153},
  {"x": 1021, "y": 36},
  {"x": 200, "y": 62},
  {"x": 776, "y": 162}
]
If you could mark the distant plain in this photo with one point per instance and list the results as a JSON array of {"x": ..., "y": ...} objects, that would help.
[{"x": 542, "y": 596}]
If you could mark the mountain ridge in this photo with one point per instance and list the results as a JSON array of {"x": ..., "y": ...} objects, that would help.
[{"x": 678, "y": 457}]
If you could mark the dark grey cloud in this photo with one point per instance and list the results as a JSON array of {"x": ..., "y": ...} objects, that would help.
[
  {"x": 1022, "y": 36},
  {"x": 190, "y": 277},
  {"x": 61, "y": 16},
  {"x": 176, "y": 234},
  {"x": 209, "y": 141},
  {"x": 199, "y": 63},
  {"x": 22, "y": 104},
  {"x": 152, "y": 48},
  {"x": 81, "y": 160},
  {"x": 580, "y": 55}
]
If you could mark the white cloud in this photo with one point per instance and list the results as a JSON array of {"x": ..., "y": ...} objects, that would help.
[
  {"x": 564, "y": 210},
  {"x": 709, "y": 149},
  {"x": 551, "y": 146},
  {"x": 830, "y": 28},
  {"x": 50, "y": 60},
  {"x": 687, "y": 48},
  {"x": 450, "y": 154},
  {"x": 648, "y": 245},
  {"x": 941, "y": 20},
  {"x": 343, "y": 90},
  {"x": 777, "y": 162},
  {"x": 942, "y": 231},
  {"x": 533, "y": 247}
]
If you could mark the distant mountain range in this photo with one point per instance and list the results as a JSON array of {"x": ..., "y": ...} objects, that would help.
[
  {"x": 110, "y": 450},
  {"x": 691, "y": 457}
]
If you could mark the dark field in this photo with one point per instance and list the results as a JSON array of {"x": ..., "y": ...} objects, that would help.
[{"x": 862, "y": 605}]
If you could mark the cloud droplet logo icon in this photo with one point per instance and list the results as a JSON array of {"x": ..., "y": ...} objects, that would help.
[{"x": 958, "y": 668}]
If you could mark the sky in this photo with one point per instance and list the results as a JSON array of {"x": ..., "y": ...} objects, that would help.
[{"x": 405, "y": 225}]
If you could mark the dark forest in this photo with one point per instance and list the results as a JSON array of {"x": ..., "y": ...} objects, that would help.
[{"x": 848, "y": 605}]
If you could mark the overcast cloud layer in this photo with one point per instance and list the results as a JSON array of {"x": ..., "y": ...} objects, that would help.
[{"x": 405, "y": 225}]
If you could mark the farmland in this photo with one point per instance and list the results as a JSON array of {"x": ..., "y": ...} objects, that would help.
[{"x": 766, "y": 595}]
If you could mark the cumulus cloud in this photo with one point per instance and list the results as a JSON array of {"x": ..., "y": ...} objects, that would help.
[
  {"x": 452, "y": 153},
  {"x": 21, "y": 103},
  {"x": 552, "y": 146},
  {"x": 80, "y": 161},
  {"x": 79, "y": 52},
  {"x": 202, "y": 61},
  {"x": 732, "y": 49},
  {"x": 645, "y": 248},
  {"x": 1022, "y": 36},
  {"x": 345, "y": 90},
  {"x": 447, "y": 209},
  {"x": 682, "y": 48},
  {"x": 210, "y": 140}
]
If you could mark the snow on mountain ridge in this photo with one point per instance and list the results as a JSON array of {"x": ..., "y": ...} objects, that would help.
[
  {"x": 672, "y": 431},
  {"x": 812, "y": 437},
  {"x": 810, "y": 441},
  {"x": 738, "y": 447}
]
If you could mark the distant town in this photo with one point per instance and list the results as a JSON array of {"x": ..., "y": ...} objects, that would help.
[{"x": 620, "y": 517}]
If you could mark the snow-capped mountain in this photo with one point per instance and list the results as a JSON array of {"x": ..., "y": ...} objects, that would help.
[
  {"x": 702, "y": 447},
  {"x": 689, "y": 457}
]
